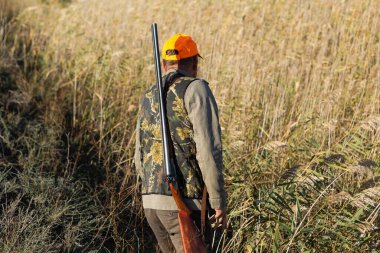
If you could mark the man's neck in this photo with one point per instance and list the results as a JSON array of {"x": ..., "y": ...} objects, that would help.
[{"x": 170, "y": 70}]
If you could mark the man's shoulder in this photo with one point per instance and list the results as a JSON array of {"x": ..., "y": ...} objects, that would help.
[
  {"x": 199, "y": 87},
  {"x": 147, "y": 94},
  {"x": 199, "y": 81},
  {"x": 192, "y": 83},
  {"x": 150, "y": 89}
]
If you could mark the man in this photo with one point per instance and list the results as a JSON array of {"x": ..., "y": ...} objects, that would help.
[{"x": 196, "y": 144}]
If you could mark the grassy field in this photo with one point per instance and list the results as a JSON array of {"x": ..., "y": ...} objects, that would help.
[{"x": 297, "y": 84}]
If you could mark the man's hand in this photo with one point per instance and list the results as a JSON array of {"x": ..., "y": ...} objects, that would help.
[{"x": 220, "y": 219}]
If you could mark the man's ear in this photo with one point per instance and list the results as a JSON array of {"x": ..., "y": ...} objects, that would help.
[{"x": 164, "y": 66}]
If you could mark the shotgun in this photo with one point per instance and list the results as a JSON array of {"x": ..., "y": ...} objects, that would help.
[{"x": 191, "y": 237}]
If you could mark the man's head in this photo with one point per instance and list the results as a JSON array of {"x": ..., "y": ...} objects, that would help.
[{"x": 181, "y": 52}]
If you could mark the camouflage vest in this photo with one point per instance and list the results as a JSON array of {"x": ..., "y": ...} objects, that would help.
[{"x": 189, "y": 177}]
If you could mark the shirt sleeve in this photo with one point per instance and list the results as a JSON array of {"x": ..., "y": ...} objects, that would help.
[{"x": 203, "y": 113}]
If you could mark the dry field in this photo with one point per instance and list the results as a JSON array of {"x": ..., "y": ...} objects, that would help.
[{"x": 298, "y": 88}]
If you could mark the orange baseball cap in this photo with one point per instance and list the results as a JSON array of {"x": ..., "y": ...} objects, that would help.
[{"x": 178, "y": 47}]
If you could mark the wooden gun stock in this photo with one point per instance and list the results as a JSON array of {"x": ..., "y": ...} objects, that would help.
[{"x": 191, "y": 237}]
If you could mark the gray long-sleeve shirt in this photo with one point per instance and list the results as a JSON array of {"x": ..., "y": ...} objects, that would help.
[{"x": 203, "y": 113}]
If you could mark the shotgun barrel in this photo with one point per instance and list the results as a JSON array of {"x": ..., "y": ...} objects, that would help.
[{"x": 169, "y": 169}]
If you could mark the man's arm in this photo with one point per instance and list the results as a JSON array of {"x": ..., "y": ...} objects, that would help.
[{"x": 203, "y": 113}]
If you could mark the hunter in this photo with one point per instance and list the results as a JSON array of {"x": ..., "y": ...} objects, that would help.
[{"x": 195, "y": 133}]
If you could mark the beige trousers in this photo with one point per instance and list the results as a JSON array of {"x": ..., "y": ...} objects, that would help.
[{"x": 165, "y": 227}]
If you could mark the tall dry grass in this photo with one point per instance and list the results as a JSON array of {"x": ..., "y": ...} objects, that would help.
[{"x": 299, "y": 101}]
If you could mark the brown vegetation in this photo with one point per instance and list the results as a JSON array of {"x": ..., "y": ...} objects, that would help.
[{"x": 297, "y": 83}]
